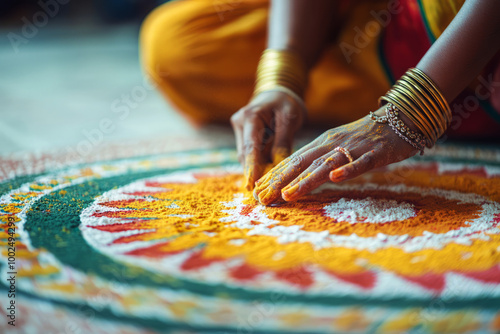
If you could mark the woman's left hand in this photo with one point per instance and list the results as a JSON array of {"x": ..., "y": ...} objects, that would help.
[{"x": 370, "y": 144}]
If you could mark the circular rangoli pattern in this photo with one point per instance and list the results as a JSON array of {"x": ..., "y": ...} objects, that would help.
[{"x": 174, "y": 238}]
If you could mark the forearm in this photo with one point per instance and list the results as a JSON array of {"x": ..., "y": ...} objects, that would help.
[
  {"x": 303, "y": 26},
  {"x": 464, "y": 48}
]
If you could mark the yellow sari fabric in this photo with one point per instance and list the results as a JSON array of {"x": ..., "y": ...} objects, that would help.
[{"x": 203, "y": 55}]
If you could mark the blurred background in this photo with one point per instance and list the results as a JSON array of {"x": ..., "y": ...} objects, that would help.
[{"x": 67, "y": 67}]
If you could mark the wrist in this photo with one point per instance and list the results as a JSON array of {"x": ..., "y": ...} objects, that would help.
[
  {"x": 417, "y": 98},
  {"x": 382, "y": 111},
  {"x": 399, "y": 125},
  {"x": 281, "y": 68}
]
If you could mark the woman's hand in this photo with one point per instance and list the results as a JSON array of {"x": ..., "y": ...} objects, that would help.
[
  {"x": 371, "y": 145},
  {"x": 264, "y": 131}
]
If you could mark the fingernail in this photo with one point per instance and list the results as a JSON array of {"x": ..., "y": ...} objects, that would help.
[
  {"x": 268, "y": 198},
  {"x": 288, "y": 192},
  {"x": 264, "y": 181},
  {"x": 256, "y": 194},
  {"x": 261, "y": 187},
  {"x": 335, "y": 175},
  {"x": 263, "y": 194},
  {"x": 261, "y": 180}
]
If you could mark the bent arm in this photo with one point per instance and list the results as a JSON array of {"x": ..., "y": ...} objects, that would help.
[{"x": 464, "y": 48}]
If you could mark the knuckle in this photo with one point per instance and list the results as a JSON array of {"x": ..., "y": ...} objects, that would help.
[
  {"x": 369, "y": 160},
  {"x": 297, "y": 160},
  {"x": 318, "y": 162},
  {"x": 251, "y": 112},
  {"x": 354, "y": 169},
  {"x": 235, "y": 118}
]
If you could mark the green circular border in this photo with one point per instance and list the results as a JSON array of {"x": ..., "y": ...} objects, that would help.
[{"x": 65, "y": 241}]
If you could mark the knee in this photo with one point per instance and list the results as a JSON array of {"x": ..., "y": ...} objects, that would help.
[{"x": 161, "y": 42}]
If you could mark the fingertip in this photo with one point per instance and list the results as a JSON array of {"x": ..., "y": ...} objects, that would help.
[
  {"x": 268, "y": 197},
  {"x": 336, "y": 175},
  {"x": 262, "y": 195},
  {"x": 255, "y": 194},
  {"x": 249, "y": 184},
  {"x": 290, "y": 197},
  {"x": 285, "y": 197},
  {"x": 290, "y": 193}
]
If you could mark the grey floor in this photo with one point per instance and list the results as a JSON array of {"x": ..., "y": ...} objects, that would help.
[{"x": 60, "y": 85}]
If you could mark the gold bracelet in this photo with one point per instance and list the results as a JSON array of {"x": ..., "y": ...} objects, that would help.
[
  {"x": 280, "y": 68},
  {"x": 430, "y": 96},
  {"x": 397, "y": 100},
  {"x": 426, "y": 95},
  {"x": 427, "y": 116},
  {"x": 400, "y": 128},
  {"x": 417, "y": 96},
  {"x": 433, "y": 89}
]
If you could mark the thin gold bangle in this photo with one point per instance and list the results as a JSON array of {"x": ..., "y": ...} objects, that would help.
[
  {"x": 434, "y": 90},
  {"x": 420, "y": 107},
  {"x": 431, "y": 96},
  {"x": 415, "y": 94}
]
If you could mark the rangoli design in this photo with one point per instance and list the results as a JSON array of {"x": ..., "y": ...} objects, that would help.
[{"x": 172, "y": 243}]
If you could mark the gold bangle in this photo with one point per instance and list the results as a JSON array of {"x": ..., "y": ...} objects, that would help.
[
  {"x": 426, "y": 95},
  {"x": 420, "y": 98},
  {"x": 417, "y": 96},
  {"x": 280, "y": 68},
  {"x": 434, "y": 91},
  {"x": 419, "y": 104}
]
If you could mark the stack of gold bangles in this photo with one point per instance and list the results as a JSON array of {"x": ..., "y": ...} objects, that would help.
[
  {"x": 417, "y": 97},
  {"x": 281, "y": 70}
]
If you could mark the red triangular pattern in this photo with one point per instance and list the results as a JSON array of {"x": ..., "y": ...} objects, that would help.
[
  {"x": 145, "y": 193},
  {"x": 299, "y": 276},
  {"x": 365, "y": 279},
  {"x": 428, "y": 281},
  {"x": 491, "y": 275},
  {"x": 133, "y": 225},
  {"x": 196, "y": 261},
  {"x": 153, "y": 184},
  {"x": 245, "y": 272},
  {"x": 114, "y": 214},
  {"x": 131, "y": 238},
  {"x": 154, "y": 251},
  {"x": 122, "y": 202}
]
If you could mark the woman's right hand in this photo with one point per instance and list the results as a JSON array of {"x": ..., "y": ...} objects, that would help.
[{"x": 264, "y": 131}]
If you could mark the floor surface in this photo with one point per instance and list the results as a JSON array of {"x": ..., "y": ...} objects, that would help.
[{"x": 61, "y": 86}]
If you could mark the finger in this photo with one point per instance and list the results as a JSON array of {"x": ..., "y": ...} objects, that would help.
[
  {"x": 253, "y": 147},
  {"x": 284, "y": 133},
  {"x": 263, "y": 182},
  {"x": 238, "y": 134},
  {"x": 314, "y": 176},
  {"x": 359, "y": 166},
  {"x": 294, "y": 168}
]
